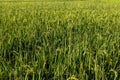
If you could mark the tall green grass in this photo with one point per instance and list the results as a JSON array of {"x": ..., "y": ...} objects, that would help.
[{"x": 59, "y": 41}]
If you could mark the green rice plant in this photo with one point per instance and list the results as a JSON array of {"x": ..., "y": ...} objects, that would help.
[{"x": 71, "y": 40}]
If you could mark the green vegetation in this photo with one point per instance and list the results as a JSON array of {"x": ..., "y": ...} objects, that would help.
[
  {"x": 65, "y": 0},
  {"x": 59, "y": 41}
]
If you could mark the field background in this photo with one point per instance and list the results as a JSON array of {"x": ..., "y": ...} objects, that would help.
[
  {"x": 66, "y": 0},
  {"x": 59, "y": 40}
]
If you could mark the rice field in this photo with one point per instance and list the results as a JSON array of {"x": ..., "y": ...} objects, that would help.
[{"x": 59, "y": 40}]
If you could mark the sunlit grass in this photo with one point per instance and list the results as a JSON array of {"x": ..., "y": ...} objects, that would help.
[{"x": 59, "y": 41}]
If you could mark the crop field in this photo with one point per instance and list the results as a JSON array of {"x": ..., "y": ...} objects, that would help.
[{"x": 59, "y": 40}]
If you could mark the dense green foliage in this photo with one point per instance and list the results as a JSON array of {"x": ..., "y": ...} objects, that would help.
[{"x": 59, "y": 41}]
